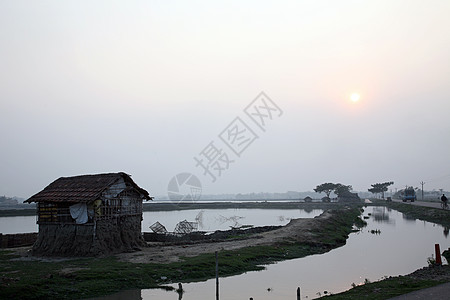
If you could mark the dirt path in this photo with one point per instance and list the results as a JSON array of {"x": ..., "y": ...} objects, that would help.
[
  {"x": 297, "y": 230},
  {"x": 421, "y": 203}
]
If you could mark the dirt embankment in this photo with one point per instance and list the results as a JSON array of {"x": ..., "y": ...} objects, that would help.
[{"x": 305, "y": 231}]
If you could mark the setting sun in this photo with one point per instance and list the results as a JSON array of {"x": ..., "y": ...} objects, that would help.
[{"x": 354, "y": 97}]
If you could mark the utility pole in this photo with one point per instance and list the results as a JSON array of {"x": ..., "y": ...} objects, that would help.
[
  {"x": 422, "y": 183},
  {"x": 217, "y": 277}
]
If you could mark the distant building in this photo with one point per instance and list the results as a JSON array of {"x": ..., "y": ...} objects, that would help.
[
  {"x": 89, "y": 215},
  {"x": 308, "y": 199}
]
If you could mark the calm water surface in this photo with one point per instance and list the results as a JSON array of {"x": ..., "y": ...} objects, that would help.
[
  {"x": 223, "y": 219},
  {"x": 21, "y": 224},
  {"x": 208, "y": 219},
  {"x": 402, "y": 246}
]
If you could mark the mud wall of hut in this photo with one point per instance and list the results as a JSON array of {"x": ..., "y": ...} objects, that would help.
[{"x": 102, "y": 237}]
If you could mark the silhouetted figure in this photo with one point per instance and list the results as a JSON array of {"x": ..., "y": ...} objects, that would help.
[
  {"x": 180, "y": 291},
  {"x": 444, "y": 201}
]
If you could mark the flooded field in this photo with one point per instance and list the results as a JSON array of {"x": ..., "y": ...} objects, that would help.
[
  {"x": 389, "y": 245},
  {"x": 208, "y": 219},
  {"x": 18, "y": 224},
  {"x": 224, "y": 219}
]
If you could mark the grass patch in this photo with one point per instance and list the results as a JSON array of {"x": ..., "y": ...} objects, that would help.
[
  {"x": 385, "y": 289},
  {"x": 336, "y": 230},
  {"x": 100, "y": 276}
]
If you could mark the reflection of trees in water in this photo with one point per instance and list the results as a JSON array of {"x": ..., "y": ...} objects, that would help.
[
  {"x": 408, "y": 218},
  {"x": 308, "y": 210},
  {"x": 446, "y": 229},
  {"x": 382, "y": 218},
  {"x": 381, "y": 215}
]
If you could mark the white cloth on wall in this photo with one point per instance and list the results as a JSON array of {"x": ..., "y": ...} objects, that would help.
[{"x": 79, "y": 213}]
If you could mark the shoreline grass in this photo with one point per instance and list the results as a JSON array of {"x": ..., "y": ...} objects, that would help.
[{"x": 386, "y": 288}]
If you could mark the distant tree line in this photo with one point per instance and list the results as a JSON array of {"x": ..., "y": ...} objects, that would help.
[
  {"x": 8, "y": 201},
  {"x": 380, "y": 188},
  {"x": 341, "y": 189},
  {"x": 338, "y": 188}
]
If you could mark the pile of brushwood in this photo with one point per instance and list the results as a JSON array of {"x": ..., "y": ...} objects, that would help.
[{"x": 200, "y": 236}]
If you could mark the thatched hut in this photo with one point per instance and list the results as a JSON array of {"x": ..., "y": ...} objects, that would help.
[{"x": 89, "y": 215}]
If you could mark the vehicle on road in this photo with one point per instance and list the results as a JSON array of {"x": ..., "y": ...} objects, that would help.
[{"x": 409, "y": 194}]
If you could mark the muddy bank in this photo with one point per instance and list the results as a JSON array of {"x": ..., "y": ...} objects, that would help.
[
  {"x": 202, "y": 237},
  {"x": 327, "y": 231},
  {"x": 17, "y": 240}
]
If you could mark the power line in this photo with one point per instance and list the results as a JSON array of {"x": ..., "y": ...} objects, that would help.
[{"x": 439, "y": 178}]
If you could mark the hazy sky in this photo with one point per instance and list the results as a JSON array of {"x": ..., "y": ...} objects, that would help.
[{"x": 145, "y": 86}]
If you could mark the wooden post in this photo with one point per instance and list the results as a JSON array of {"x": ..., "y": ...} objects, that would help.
[
  {"x": 298, "y": 293},
  {"x": 438, "y": 255},
  {"x": 217, "y": 277}
]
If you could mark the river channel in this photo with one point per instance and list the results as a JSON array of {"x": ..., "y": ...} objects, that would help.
[{"x": 389, "y": 245}]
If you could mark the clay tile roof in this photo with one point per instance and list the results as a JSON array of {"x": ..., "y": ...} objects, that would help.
[{"x": 84, "y": 188}]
